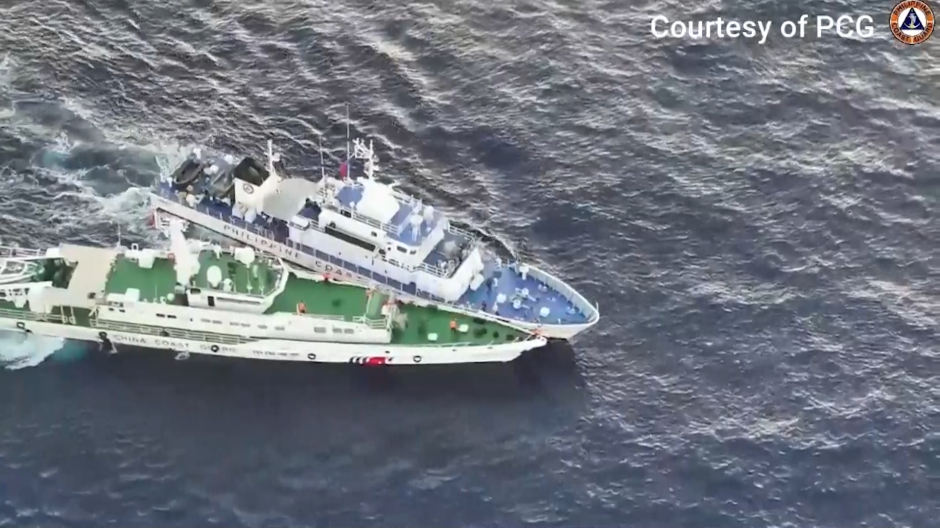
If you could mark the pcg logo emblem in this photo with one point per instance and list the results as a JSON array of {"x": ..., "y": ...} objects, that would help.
[{"x": 912, "y": 21}]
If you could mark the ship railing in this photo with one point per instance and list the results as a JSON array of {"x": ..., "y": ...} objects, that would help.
[
  {"x": 208, "y": 211},
  {"x": 361, "y": 319},
  {"x": 370, "y": 322},
  {"x": 325, "y": 257},
  {"x": 270, "y": 259},
  {"x": 369, "y": 221},
  {"x": 176, "y": 333},
  {"x": 311, "y": 223},
  {"x": 437, "y": 271},
  {"x": 8, "y": 252},
  {"x": 27, "y": 315},
  {"x": 494, "y": 342},
  {"x": 569, "y": 293},
  {"x": 408, "y": 199},
  {"x": 253, "y": 296},
  {"x": 388, "y": 228},
  {"x": 412, "y": 201},
  {"x": 271, "y": 235},
  {"x": 237, "y": 222},
  {"x": 462, "y": 232},
  {"x": 303, "y": 248}
]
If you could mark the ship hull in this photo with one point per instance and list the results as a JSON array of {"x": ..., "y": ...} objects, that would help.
[
  {"x": 309, "y": 261},
  {"x": 282, "y": 350}
]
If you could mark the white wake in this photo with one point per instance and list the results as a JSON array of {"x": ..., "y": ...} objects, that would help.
[{"x": 18, "y": 351}]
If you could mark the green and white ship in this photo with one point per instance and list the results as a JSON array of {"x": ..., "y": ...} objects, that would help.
[{"x": 201, "y": 299}]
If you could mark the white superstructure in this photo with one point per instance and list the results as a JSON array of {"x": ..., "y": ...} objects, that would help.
[
  {"x": 203, "y": 299},
  {"x": 368, "y": 231}
]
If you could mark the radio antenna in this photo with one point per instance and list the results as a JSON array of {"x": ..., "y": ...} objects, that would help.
[{"x": 322, "y": 169}]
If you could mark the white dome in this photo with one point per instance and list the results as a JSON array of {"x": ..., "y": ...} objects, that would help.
[{"x": 214, "y": 276}]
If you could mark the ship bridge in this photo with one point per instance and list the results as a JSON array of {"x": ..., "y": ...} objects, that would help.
[
  {"x": 91, "y": 268},
  {"x": 402, "y": 217},
  {"x": 288, "y": 198}
]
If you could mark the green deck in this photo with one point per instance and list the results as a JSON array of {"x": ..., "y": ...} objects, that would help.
[
  {"x": 326, "y": 299},
  {"x": 160, "y": 280},
  {"x": 426, "y": 320},
  {"x": 321, "y": 298},
  {"x": 412, "y": 326},
  {"x": 153, "y": 283}
]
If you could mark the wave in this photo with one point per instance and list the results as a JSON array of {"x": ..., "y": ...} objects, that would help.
[
  {"x": 58, "y": 144},
  {"x": 18, "y": 351}
]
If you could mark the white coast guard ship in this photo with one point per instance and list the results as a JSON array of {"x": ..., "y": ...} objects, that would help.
[
  {"x": 203, "y": 299},
  {"x": 362, "y": 230}
]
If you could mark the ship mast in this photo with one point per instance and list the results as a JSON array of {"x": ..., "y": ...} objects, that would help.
[
  {"x": 322, "y": 169},
  {"x": 347, "y": 138}
]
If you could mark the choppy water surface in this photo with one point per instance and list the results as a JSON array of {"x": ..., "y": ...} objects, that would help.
[{"x": 758, "y": 223}]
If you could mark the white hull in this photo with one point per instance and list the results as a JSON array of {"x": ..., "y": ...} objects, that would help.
[
  {"x": 551, "y": 331},
  {"x": 280, "y": 350}
]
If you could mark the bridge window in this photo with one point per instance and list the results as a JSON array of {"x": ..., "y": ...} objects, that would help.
[
  {"x": 401, "y": 249},
  {"x": 348, "y": 238},
  {"x": 348, "y": 331},
  {"x": 263, "y": 327},
  {"x": 320, "y": 330},
  {"x": 375, "y": 234},
  {"x": 337, "y": 330}
]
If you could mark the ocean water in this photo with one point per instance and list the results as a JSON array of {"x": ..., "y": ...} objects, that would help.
[{"x": 758, "y": 223}]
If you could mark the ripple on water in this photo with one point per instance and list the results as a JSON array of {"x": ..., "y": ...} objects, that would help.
[{"x": 755, "y": 222}]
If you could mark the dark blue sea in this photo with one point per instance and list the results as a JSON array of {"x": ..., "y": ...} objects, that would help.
[{"x": 760, "y": 225}]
